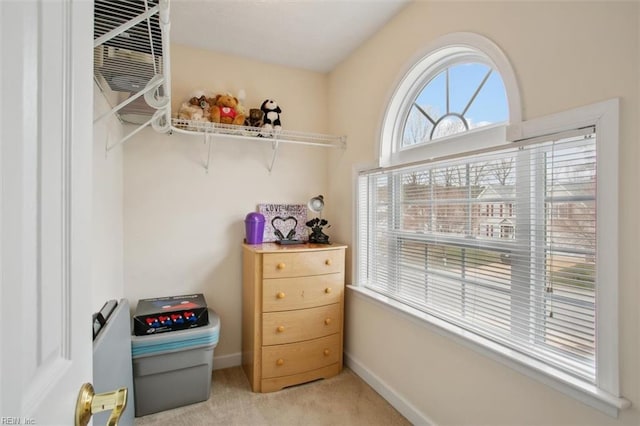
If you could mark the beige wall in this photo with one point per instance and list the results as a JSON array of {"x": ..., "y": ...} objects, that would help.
[
  {"x": 184, "y": 227},
  {"x": 565, "y": 55},
  {"x": 107, "y": 249}
]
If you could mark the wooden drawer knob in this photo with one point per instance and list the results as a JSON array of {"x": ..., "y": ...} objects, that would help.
[
  {"x": 280, "y": 295},
  {"x": 327, "y": 290},
  {"x": 327, "y": 321},
  {"x": 280, "y": 328},
  {"x": 327, "y": 262},
  {"x": 280, "y": 266},
  {"x": 326, "y": 352},
  {"x": 280, "y": 361}
]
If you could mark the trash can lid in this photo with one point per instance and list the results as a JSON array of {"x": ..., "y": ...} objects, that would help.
[
  {"x": 173, "y": 341},
  {"x": 254, "y": 217}
]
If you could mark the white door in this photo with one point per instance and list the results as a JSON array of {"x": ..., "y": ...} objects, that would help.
[{"x": 45, "y": 211}]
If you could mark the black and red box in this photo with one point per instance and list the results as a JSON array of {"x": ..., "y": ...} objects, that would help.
[{"x": 163, "y": 314}]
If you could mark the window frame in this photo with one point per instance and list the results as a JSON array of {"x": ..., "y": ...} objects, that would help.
[{"x": 604, "y": 116}]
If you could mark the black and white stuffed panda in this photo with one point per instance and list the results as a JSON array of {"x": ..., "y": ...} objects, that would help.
[{"x": 271, "y": 115}]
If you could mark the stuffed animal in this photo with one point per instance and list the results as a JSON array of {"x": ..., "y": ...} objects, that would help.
[
  {"x": 271, "y": 112},
  {"x": 224, "y": 110},
  {"x": 197, "y": 108},
  {"x": 255, "y": 118},
  {"x": 191, "y": 112},
  {"x": 205, "y": 104}
]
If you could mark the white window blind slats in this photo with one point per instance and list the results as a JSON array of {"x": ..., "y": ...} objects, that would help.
[{"x": 501, "y": 243}]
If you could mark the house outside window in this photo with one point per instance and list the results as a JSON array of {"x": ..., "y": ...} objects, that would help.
[{"x": 493, "y": 237}]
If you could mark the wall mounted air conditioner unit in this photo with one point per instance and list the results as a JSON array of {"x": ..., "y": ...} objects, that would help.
[{"x": 131, "y": 64}]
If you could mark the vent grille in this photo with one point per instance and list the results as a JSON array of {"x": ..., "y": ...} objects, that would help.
[{"x": 109, "y": 14}]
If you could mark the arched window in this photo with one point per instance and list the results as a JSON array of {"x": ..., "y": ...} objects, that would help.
[
  {"x": 464, "y": 84},
  {"x": 460, "y": 223}
]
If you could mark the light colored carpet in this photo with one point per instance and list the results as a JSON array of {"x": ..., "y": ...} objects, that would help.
[{"x": 341, "y": 400}]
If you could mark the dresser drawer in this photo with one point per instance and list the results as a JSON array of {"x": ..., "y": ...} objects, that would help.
[
  {"x": 285, "y": 294},
  {"x": 299, "y": 325},
  {"x": 298, "y": 264},
  {"x": 294, "y": 358}
]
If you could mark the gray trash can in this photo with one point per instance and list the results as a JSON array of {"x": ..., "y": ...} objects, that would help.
[{"x": 173, "y": 369}]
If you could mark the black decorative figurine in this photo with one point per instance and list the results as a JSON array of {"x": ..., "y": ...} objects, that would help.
[{"x": 317, "y": 236}]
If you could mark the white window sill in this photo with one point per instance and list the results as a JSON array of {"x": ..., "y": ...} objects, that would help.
[{"x": 562, "y": 382}]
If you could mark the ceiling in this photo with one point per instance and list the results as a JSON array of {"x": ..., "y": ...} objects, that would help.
[{"x": 309, "y": 34}]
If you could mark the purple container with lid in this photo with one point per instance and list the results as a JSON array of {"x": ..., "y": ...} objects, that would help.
[{"x": 254, "y": 227}]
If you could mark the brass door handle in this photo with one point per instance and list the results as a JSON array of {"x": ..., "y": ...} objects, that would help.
[{"x": 89, "y": 403}]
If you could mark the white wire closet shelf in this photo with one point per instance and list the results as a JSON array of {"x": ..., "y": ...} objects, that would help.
[
  {"x": 282, "y": 135},
  {"x": 209, "y": 130}
]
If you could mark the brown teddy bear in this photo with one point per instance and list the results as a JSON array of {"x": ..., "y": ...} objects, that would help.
[
  {"x": 225, "y": 111},
  {"x": 255, "y": 118}
]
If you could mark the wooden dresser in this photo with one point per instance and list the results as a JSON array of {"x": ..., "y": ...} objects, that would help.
[{"x": 292, "y": 313}]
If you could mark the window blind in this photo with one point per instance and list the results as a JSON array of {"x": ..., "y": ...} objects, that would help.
[{"x": 501, "y": 243}]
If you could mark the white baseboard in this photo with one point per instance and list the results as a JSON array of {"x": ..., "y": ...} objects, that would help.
[
  {"x": 394, "y": 398},
  {"x": 227, "y": 361}
]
